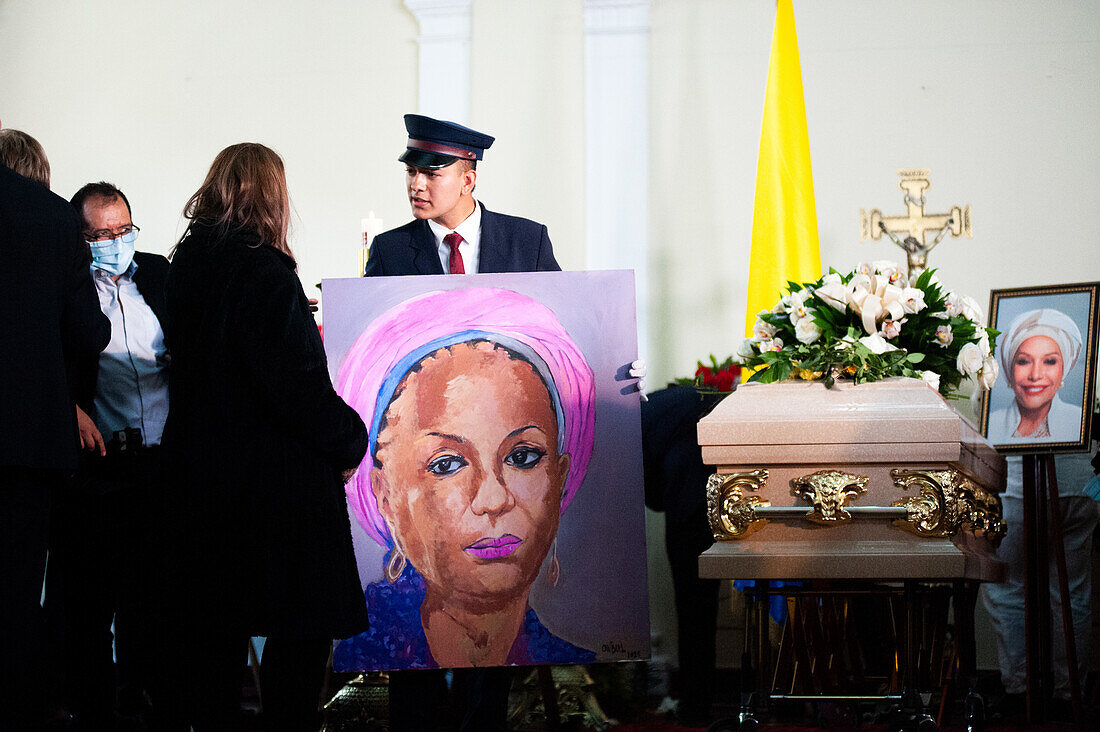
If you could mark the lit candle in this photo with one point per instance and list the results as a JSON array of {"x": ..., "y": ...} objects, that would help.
[{"x": 371, "y": 227}]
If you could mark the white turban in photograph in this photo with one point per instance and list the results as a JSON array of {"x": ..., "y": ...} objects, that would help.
[{"x": 1053, "y": 324}]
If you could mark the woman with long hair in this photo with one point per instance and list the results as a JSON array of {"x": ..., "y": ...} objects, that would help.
[{"x": 259, "y": 445}]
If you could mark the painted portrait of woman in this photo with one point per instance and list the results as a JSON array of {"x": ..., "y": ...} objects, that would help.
[
  {"x": 481, "y": 412},
  {"x": 1038, "y": 350}
]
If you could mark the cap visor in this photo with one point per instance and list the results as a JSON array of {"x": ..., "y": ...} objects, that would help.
[{"x": 425, "y": 159}]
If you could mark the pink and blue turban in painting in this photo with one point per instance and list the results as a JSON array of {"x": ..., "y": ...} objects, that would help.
[{"x": 409, "y": 332}]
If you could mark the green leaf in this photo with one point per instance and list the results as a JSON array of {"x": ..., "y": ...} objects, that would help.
[
  {"x": 915, "y": 357},
  {"x": 765, "y": 375}
]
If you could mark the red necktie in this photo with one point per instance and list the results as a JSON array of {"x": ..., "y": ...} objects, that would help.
[{"x": 455, "y": 262}]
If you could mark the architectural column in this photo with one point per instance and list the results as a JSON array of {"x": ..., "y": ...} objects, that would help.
[
  {"x": 444, "y": 72},
  {"x": 616, "y": 141}
]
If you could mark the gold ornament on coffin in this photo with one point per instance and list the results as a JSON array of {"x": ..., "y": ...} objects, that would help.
[
  {"x": 730, "y": 511},
  {"x": 829, "y": 491},
  {"x": 948, "y": 503}
]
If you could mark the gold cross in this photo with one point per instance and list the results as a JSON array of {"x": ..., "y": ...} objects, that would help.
[{"x": 910, "y": 232}]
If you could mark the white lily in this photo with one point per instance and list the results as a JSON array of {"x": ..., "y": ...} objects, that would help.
[
  {"x": 762, "y": 331},
  {"x": 875, "y": 343},
  {"x": 798, "y": 309},
  {"x": 747, "y": 349},
  {"x": 884, "y": 267},
  {"x": 772, "y": 344},
  {"x": 887, "y": 271},
  {"x": 951, "y": 304},
  {"x": 891, "y": 328},
  {"x": 912, "y": 300}
]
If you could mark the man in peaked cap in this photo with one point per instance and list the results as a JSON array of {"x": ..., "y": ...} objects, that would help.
[{"x": 451, "y": 231}]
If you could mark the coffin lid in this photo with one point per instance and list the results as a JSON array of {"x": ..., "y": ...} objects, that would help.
[{"x": 886, "y": 419}]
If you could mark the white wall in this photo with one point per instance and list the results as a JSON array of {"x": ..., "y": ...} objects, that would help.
[
  {"x": 145, "y": 94},
  {"x": 527, "y": 89}
]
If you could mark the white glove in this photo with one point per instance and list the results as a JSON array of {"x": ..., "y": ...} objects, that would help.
[{"x": 637, "y": 371}]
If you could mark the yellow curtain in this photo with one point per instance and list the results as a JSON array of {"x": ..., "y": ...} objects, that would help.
[{"x": 784, "y": 221}]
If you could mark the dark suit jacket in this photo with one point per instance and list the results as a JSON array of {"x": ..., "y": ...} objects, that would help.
[
  {"x": 150, "y": 276},
  {"x": 49, "y": 310},
  {"x": 508, "y": 244}
]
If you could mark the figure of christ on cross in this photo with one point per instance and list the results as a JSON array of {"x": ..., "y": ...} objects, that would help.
[{"x": 915, "y": 225}]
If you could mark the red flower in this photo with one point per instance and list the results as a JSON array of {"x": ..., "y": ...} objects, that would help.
[{"x": 722, "y": 379}]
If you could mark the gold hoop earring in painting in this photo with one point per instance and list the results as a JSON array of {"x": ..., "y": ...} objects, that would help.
[
  {"x": 395, "y": 564},
  {"x": 553, "y": 572}
]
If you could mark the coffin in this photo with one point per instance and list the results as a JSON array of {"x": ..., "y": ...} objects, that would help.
[{"x": 877, "y": 481}]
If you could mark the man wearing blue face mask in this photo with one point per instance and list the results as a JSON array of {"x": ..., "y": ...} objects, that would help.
[{"x": 97, "y": 570}]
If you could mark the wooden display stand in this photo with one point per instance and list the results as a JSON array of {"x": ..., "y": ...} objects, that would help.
[{"x": 1041, "y": 491}]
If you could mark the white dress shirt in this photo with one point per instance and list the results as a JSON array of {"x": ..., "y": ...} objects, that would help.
[
  {"x": 470, "y": 248},
  {"x": 132, "y": 386}
]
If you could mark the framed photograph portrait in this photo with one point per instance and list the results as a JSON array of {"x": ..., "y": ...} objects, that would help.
[{"x": 1043, "y": 399}]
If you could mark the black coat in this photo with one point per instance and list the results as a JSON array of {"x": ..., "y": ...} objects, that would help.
[
  {"x": 508, "y": 244},
  {"x": 255, "y": 443},
  {"x": 48, "y": 310}
]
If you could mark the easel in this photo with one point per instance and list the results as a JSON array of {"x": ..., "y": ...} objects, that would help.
[{"x": 1041, "y": 484}]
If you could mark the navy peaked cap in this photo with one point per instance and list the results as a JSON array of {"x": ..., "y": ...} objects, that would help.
[{"x": 436, "y": 143}]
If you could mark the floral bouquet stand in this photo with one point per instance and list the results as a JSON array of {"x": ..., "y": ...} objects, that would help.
[{"x": 841, "y": 464}]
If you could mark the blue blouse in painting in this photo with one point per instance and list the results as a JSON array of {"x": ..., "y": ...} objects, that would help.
[{"x": 396, "y": 637}]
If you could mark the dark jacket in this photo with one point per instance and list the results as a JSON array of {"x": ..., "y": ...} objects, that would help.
[
  {"x": 675, "y": 476},
  {"x": 255, "y": 443},
  {"x": 49, "y": 311},
  {"x": 508, "y": 244},
  {"x": 150, "y": 278}
]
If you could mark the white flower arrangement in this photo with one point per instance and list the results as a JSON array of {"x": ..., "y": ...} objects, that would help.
[{"x": 870, "y": 324}]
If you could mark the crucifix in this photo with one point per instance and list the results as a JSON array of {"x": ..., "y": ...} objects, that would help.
[{"x": 910, "y": 231}]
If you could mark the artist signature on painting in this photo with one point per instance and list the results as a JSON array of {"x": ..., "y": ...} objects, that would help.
[{"x": 618, "y": 649}]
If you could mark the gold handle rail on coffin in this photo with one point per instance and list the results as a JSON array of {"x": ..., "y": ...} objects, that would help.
[{"x": 948, "y": 502}]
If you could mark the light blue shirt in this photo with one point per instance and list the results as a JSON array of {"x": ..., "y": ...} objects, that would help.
[{"x": 132, "y": 387}]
